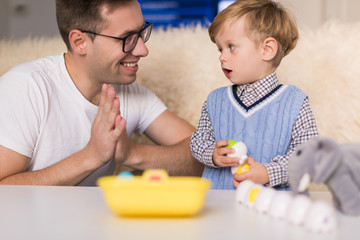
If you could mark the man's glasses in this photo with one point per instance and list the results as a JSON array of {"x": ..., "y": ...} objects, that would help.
[{"x": 129, "y": 41}]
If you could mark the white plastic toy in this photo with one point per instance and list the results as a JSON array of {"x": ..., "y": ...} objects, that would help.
[
  {"x": 280, "y": 204},
  {"x": 240, "y": 152},
  {"x": 243, "y": 190},
  {"x": 264, "y": 199},
  {"x": 252, "y": 195},
  {"x": 320, "y": 217},
  {"x": 299, "y": 210}
]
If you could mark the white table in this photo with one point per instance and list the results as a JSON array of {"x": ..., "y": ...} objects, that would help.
[{"x": 39, "y": 212}]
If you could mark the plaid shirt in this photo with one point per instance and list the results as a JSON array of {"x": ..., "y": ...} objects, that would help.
[{"x": 203, "y": 140}]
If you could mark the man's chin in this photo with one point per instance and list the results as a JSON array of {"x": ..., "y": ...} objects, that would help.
[
  {"x": 124, "y": 81},
  {"x": 129, "y": 80}
]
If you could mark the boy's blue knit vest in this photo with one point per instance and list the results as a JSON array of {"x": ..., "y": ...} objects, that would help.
[{"x": 265, "y": 127}]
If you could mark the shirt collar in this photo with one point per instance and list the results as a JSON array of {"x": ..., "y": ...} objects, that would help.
[{"x": 260, "y": 87}]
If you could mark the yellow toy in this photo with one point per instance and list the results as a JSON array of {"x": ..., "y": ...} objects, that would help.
[{"x": 154, "y": 194}]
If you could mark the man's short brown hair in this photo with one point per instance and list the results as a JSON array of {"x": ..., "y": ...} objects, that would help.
[{"x": 83, "y": 15}]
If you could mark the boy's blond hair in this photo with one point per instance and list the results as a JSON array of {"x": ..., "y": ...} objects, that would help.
[{"x": 264, "y": 18}]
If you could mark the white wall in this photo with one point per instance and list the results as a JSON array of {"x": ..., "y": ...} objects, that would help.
[
  {"x": 307, "y": 12},
  {"x": 313, "y": 13},
  {"x": 4, "y": 27},
  {"x": 27, "y": 17}
]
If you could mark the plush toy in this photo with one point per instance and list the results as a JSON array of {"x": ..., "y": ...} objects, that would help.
[{"x": 323, "y": 161}]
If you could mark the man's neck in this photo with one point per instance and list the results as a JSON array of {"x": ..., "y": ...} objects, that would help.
[{"x": 91, "y": 90}]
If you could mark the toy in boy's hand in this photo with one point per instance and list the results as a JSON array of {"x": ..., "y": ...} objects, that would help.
[
  {"x": 240, "y": 152},
  {"x": 322, "y": 160}
]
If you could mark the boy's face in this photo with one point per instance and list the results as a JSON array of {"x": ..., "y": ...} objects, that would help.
[
  {"x": 241, "y": 58},
  {"x": 107, "y": 62}
]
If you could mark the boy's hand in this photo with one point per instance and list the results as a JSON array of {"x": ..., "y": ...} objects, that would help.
[
  {"x": 220, "y": 157},
  {"x": 257, "y": 173}
]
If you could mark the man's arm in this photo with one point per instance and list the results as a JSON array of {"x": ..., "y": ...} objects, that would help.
[
  {"x": 105, "y": 130},
  {"x": 69, "y": 171},
  {"x": 173, "y": 134}
]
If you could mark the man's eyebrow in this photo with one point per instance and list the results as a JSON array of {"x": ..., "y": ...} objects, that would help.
[{"x": 127, "y": 33}]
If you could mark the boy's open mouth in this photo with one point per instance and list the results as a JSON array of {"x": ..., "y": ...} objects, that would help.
[{"x": 227, "y": 72}]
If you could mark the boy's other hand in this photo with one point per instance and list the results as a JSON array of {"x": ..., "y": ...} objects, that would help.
[{"x": 257, "y": 173}]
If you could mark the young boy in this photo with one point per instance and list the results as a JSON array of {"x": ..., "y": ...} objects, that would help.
[{"x": 271, "y": 119}]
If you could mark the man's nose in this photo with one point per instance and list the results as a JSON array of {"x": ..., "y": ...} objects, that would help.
[{"x": 140, "y": 49}]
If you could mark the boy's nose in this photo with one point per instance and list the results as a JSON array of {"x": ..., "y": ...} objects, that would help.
[{"x": 222, "y": 57}]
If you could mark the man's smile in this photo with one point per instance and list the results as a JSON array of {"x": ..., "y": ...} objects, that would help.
[{"x": 132, "y": 66}]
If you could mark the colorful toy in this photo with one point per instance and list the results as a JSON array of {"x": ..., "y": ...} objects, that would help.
[
  {"x": 242, "y": 192},
  {"x": 252, "y": 195},
  {"x": 240, "y": 152},
  {"x": 317, "y": 216},
  {"x": 125, "y": 174},
  {"x": 154, "y": 194},
  {"x": 322, "y": 160}
]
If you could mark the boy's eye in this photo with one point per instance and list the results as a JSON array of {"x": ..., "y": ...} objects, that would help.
[
  {"x": 232, "y": 47},
  {"x": 220, "y": 50}
]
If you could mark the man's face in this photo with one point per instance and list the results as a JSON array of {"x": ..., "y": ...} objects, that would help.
[{"x": 106, "y": 60}]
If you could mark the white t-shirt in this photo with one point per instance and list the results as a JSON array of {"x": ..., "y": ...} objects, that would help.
[{"x": 46, "y": 118}]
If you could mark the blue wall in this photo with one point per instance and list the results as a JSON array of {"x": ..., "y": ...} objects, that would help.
[{"x": 179, "y": 12}]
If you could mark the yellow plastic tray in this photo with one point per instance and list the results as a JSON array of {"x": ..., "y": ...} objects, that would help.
[{"x": 154, "y": 194}]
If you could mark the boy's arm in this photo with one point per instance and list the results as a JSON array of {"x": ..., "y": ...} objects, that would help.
[
  {"x": 303, "y": 130},
  {"x": 202, "y": 142},
  {"x": 205, "y": 149}
]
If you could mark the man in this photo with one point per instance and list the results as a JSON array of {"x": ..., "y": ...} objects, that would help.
[{"x": 61, "y": 122}]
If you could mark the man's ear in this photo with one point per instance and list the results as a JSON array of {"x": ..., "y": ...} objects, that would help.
[
  {"x": 77, "y": 41},
  {"x": 269, "y": 48}
]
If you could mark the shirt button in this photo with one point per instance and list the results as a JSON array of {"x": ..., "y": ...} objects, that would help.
[{"x": 249, "y": 89}]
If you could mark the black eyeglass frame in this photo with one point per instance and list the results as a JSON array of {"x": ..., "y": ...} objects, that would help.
[{"x": 123, "y": 39}]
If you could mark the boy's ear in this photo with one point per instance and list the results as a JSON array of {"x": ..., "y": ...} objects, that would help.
[
  {"x": 78, "y": 41},
  {"x": 269, "y": 48}
]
